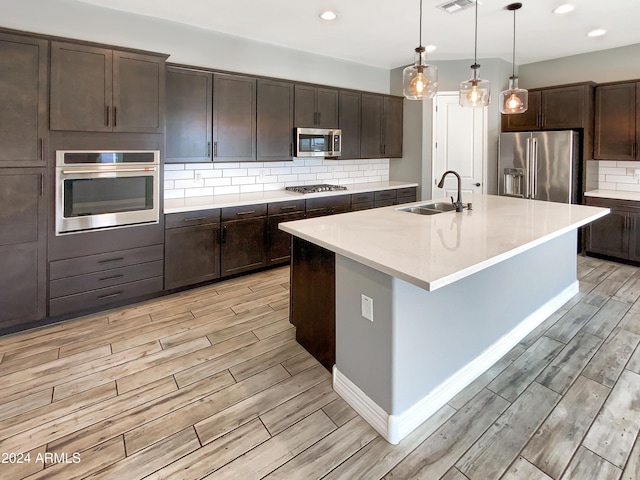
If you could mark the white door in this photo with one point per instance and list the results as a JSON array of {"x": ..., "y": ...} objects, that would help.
[{"x": 460, "y": 144}]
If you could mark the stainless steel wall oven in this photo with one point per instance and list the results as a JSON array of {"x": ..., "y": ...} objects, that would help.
[{"x": 106, "y": 189}]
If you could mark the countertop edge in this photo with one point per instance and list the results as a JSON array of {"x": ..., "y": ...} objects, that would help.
[
  {"x": 223, "y": 201},
  {"x": 451, "y": 278}
]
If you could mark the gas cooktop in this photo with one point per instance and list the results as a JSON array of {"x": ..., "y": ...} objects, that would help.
[{"x": 315, "y": 188}]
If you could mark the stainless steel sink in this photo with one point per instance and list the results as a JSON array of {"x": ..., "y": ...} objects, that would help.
[{"x": 429, "y": 208}]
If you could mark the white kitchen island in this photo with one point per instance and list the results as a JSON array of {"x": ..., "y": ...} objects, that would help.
[{"x": 451, "y": 294}]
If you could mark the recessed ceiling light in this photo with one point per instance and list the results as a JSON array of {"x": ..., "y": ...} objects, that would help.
[
  {"x": 566, "y": 8},
  {"x": 328, "y": 15},
  {"x": 598, "y": 32},
  {"x": 430, "y": 48}
]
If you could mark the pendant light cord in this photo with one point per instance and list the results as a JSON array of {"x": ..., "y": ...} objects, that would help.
[
  {"x": 420, "y": 44},
  {"x": 475, "y": 50},
  {"x": 513, "y": 61}
]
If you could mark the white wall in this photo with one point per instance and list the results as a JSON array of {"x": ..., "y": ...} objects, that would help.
[{"x": 186, "y": 45}]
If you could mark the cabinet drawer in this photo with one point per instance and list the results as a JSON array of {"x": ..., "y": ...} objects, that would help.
[
  {"x": 385, "y": 195},
  {"x": 103, "y": 279},
  {"x": 407, "y": 192},
  {"x": 245, "y": 211},
  {"x": 286, "y": 207},
  {"x": 103, "y": 296},
  {"x": 387, "y": 202},
  {"x": 614, "y": 204},
  {"x": 363, "y": 197},
  {"x": 327, "y": 202},
  {"x": 361, "y": 206},
  {"x": 189, "y": 219},
  {"x": 104, "y": 261}
]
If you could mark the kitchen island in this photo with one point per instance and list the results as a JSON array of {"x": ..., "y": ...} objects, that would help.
[{"x": 423, "y": 304}]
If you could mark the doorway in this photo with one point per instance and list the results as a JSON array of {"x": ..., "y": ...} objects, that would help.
[{"x": 460, "y": 144}]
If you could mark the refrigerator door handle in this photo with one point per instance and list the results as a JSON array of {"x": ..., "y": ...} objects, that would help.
[
  {"x": 528, "y": 179},
  {"x": 534, "y": 168}
]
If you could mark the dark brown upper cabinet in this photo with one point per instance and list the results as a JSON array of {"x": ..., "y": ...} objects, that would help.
[
  {"x": 617, "y": 124},
  {"x": 101, "y": 90},
  {"x": 316, "y": 107},
  {"x": 274, "y": 120},
  {"x": 554, "y": 108},
  {"x": 189, "y": 116},
  {"x": 234, "y": 118},
  {"x": 23, "y": 96},
  {"x": 381, "y": 126},
  {"x": 349, "y": 123}
]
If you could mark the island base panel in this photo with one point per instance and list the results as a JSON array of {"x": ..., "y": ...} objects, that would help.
[{"x": 312, "y": 308}]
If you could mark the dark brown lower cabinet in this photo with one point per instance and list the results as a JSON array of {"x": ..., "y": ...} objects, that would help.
[
  {"x": 279, "y": 250},
  {"x": 313, "y": 304},
  {"x": 321, "y": 206},
  {"x": 407, "y": 195},
  {"x": 243, "y": 245},
  {"x": 23, "y": 220},
  {"x": 385, "y": 198},
  {"x": 617, "y": 234}
]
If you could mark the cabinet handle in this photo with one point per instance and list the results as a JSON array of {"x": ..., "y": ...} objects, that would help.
[
  {"x": 111, "y": 260},
  {"x": 42, "y": 184},
  {"x": 249, "y": 212},
  {"x": 112, "y": 277},
  {"x": 42, "y": 149},
  {"x": 319, "y": 117},
  {"x": 115, "y": 116},
  {"x": 291, "y": 149},
  {"x": 209, "y": 149},
  {"x": 106, "y": 116},
  {"x": 215, "y": 149},
  {"x": 224, "y": 234},
  {"x": 111, "y": 295},
  {"x": 194, "y": 219},
  {"x": 290, "y": 207}
]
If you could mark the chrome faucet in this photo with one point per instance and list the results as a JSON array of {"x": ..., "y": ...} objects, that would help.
[{"x": 458, "y": 203}]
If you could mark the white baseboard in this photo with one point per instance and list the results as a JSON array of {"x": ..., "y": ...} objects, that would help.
[{"x": 395, "y": 427}]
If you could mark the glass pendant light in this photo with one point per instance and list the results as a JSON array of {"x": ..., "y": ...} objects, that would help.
[
  {"x": 420, "y": 79},
  {"x": 514, "y": 100},
  {"x": 475, "y": 92}
]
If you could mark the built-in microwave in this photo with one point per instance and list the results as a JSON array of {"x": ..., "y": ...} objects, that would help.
[
  {"x": 318, "y": 142},
  {"x": 106, "y": 189}
]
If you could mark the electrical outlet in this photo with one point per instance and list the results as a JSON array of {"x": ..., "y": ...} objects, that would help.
[
  {"x": 198, "y": 175},
  {"x": 262, "y": 173},
  {"x": 367, "y": 307},
  {"x": 636, "y": 173}
]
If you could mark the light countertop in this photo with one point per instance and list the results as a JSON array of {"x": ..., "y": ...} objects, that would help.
[
  {"x": 190, "y": 204},
  {"x": 613, "y": 194},
  {"x": 432, "y": 251}
]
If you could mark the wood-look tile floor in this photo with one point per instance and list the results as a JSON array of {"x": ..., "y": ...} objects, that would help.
[{"x": 210, "y": 383}]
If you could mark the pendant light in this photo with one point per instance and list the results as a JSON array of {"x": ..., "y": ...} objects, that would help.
[
  {"x": 514, "y": 100},
  {"x": 475, "y": 92},
  {"x": 420, "y": 79}
]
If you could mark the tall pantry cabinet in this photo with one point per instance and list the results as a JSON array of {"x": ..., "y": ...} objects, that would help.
[{"x": 23, "y": 212}]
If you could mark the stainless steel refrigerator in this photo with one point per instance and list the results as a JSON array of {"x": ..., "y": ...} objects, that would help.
[{"x": 540, "y": 166}]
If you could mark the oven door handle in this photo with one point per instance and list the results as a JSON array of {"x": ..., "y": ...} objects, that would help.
[{"x": 119, "y": 170}]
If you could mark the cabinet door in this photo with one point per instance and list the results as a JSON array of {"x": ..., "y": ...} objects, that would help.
[
  {"x": 392, "y": 141},
  {"x": 234, "y": 118},
  {"x": 608, "y": 235},
  {"x": 243, "y": 245},
  {"x": 189, "y": 102},
  {"x": 528, "y": 120},
  {"x": 615, "y": 123},
  {"x": 138, "y": 93},
  {"x": 564, "y": 107},
  {"x": 274, "y": 120},
  {"x": 349, "y": 123},
  {"x": 23, "y": 96},
  {"x": 327, "y": 108},
  {"x": 22, "y": 247},
  {"x": 305, "y": 106},
  {"x": 371, "y": 126},
  {"x": 81, "y": 88},
  {"x": 633, "y": 232},
  {"x": 192, "y": 255},
  {"x": 279, "y": 250}
]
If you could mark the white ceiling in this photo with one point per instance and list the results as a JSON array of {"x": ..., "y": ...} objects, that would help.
[{"x": 384, "y": 33}]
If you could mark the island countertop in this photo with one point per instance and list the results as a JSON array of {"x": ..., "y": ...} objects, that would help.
[{"x": 432, "y": 251}]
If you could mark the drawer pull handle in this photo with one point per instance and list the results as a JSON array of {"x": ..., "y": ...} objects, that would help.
[
  {"x": 246, "y": 213},
  {"x": 111, "y": 260},
  {"x": 112, "y": 277},
  {"x": 290, "y": 207},
  {"x": 194, "y": 219},
  {"x": 111, "y": 295}
]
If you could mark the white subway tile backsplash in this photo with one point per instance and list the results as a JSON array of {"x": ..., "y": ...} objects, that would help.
[
  {"x": 620, "y": 179},
  {"x": 187, "y": 180},
  {"x": 613, "y": 175}
]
